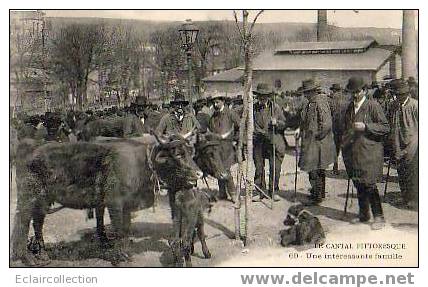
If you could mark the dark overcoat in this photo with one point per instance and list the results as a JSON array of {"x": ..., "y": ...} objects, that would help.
[
  {"x": 317, "y": 148},
  {"x": 363, "y": 151},
  {"x": 263, "y": 131},
  {"x": 221, "y": 123}
]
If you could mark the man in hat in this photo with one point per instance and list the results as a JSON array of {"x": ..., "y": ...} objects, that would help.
[
  {"x": 178, "y": 121},
  {"x": 404, "y": 126},
  {"x": 269, "y": 126},
  {"x": 317, "y": 144},
  {"x": 413, "y": 86},
  {"x": 223, "y": 126},
  {"x": 339, "y": 103},
  {"x": 365, "y": 129},
  {"x": 202, "y": 113}
]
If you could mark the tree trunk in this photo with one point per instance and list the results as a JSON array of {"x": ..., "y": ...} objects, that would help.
[{"x": 250, "y": 121}]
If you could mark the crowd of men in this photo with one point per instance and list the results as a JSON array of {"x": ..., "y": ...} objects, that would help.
[{"x": 365, "y": 122}]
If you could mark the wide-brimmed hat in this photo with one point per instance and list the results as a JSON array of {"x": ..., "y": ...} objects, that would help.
[
  {"x": 401, "y": 87},
  {"x": 218, "y": 95},
  {"x": 355, "y": 84},
  {"x": 141, "y": 101},
  {"x": 309, "y": 85},
  {"x": 411, "y": 81},
  {"x": 238, "y": 100},
  {"x": 263, "y": 89},
  {"x": 335, "y": 87},
  {"x": 179, "y": 99}
]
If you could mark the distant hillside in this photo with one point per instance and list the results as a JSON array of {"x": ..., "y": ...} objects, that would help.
[{"x": 282, "y": 31}]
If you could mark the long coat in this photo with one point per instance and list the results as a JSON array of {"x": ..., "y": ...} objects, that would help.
[
  {"x": 222, "y": 123},
  {"x": 404, "y": 130},
  {"x": 339, "y": 103},
  {"x": 317, "y": 149},
  {"x": 363, "y": 151},
  {"x": 263, "y": 131}
]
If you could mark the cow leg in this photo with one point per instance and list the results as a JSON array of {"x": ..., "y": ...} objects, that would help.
[
  {"x": 172, "y": 205},
  {"x": 39, "y": 214},
  {"x": 116, "y": 216},
  {"x": 20, "y": 234},
  {"x": 101, "y": 231},
  {"x": 126, "y": 222},
  {"x": 189, "y": 223},
  {"x": 202, "y": 236}
]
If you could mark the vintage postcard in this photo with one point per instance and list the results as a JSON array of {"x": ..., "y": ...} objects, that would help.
[{"x": 214, "y": 138}]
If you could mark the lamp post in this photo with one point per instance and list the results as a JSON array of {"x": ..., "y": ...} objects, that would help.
[{"x": 188, "y": 34}]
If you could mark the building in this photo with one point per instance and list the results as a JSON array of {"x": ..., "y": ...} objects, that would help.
[
  {"x": 228, "y": 82},
  {"x": 326, "y": 62},
  {"x": 29, "y": 86}
]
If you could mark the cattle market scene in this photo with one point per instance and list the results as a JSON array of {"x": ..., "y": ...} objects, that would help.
[{"x": 237, "y": 138}]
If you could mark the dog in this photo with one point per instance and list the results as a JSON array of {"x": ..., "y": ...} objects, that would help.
[{"x": 302, "y": 228}]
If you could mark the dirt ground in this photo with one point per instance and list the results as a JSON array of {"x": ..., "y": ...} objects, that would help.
[{"x": 69, "y": 236}]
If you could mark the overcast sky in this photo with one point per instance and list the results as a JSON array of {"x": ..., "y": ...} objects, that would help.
[{"x": 343, "y": 18}]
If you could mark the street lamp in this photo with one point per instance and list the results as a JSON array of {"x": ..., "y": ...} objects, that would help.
[{"x": 188, "y": 34}]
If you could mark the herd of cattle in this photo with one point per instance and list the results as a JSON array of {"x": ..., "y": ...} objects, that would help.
[
  {"x": 87, "y": 161},
  {"x": 111, "y": 159}
]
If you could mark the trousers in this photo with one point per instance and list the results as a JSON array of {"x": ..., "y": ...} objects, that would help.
[{"x": 368, "y": 198}]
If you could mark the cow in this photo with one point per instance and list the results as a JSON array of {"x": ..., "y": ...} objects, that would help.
[
  {"x": 213, "y": 159},
  {"x": 113, "y": 127},
  {"x": 108, "y": 172},
  {"x": 187, "y": 203}
]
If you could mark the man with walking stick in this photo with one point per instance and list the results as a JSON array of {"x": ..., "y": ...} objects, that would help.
[
  {"x": 317, "y": 145},
  {"x": 365, "y": 129},
  {"x": 269, "y": 125}
]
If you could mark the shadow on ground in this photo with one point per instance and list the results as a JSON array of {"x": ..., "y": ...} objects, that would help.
[
  {"x": 329, "y": 212},
  {"x": 145, "y": 237}
]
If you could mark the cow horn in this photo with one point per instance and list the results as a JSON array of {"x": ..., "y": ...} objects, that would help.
[{"x": 159, "y": 140}]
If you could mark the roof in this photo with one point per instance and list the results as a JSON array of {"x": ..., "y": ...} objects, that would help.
[
  {"x": 372, "y": 59},
  {"x": 232, "y": 75},
  {"x": 290, "y": 47}
]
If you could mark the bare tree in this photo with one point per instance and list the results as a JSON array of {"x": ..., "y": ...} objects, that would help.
[
  {"x": 247, "y": 121},
  {"x": 74, "y": 54}
]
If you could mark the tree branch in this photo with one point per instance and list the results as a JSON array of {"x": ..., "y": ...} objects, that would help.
[
  {"x": 237, "y": 26},
  {"x": 255, "y": 19}
]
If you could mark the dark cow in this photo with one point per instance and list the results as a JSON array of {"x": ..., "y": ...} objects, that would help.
[
  {"x": 109, "y": 172},
  {"x": 212, "y": 158},
  {"x": 112, "y": 127},
  {"x": 187, "y": 203}
]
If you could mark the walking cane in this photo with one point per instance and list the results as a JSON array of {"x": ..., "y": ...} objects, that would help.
[
  {"x": 387, "y": 178},
  {"x": 296, "y": 155},
  {"x": 273, "y": 153},
  {"x": 347, "y": 196}
]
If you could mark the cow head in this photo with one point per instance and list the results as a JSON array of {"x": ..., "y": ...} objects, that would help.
[
  {"x": 172, "y": 160},
  {"x": 208, "y": 157}
]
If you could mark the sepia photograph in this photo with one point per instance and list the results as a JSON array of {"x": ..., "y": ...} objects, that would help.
[{"x": 213, "y": 138}]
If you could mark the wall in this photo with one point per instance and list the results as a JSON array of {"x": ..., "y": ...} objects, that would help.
[
  {"x": 231, "y": 88},
  {"x": 292, "y": 80}
]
